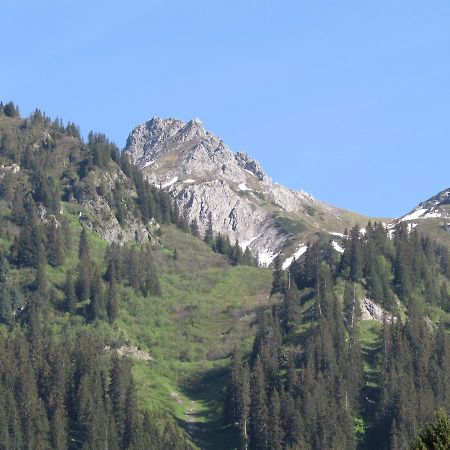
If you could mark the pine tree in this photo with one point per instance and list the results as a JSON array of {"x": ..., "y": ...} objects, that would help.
[
  {"x": 237, "y": 255},
  {"x": 352, "y": 307},
  {"x": 84, "y": 268},
  {"x": 55, "y": 248},
  {"x": 96, "y": 308},
  {"x": 40, "y": 282},
  {"x": 4, "y": 267},
  {"x": 435, "y": 436},
  {"x": 83, "y": 246},
  {"x": 193, "y": 227},
  {"x": 278, "y": 284},
  {"x": 240, "y": 397},
  {"x": 209, "y": 234},
  {"x": 70, "y": 299},
  {"x": 131, "y": 425},
  {"x": 259, "y": 418},
  {"x": 112, "y": 308},
  {"x": 276, "y": 431}
]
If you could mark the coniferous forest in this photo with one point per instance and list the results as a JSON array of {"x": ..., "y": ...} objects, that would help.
[
  {"x": 60, "y": 386},
  {"x": 316, "y": 375},
  {"x": 303, "y": 384}
]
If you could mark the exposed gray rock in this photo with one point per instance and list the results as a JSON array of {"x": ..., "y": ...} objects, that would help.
[
  {"x": 96, "y": 214},
  {"x": 252, "y": 166},
  {"x": 205, "y": 176}
]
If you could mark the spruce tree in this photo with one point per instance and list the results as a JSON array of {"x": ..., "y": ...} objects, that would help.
[
  {"x": 112, "y": 308},
  {"x": 209, "y": 233},
  {"x": 70, "y": 299},
  {"x": 278, "y": 284}
]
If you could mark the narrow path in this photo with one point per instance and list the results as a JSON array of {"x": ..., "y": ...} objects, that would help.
[{"x": 191, "y": 418}]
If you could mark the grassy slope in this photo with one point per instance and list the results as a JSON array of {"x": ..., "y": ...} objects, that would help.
[
  {"x": 205, "y": 310},
  {"x": 371, "y": 346}
]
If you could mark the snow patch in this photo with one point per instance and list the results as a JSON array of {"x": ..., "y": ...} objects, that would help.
[
  {"x": 250, "y": 172},
  {"x": 335, "y": 233},
  {"x": 362, "y": 231},
  {"x": 431, "y": 215},
  {"x": 244, "y": 187},
  {"x": 148, "y": 163},
  {"x": 190, "y": 180},
  {"x": 248, "y": 242},
  {"x": 337, "y": 247},
  {"x": 266, "y": 257},
  {"x": 299, "y": 252},
  {"x": 414, "y": 215},
  {"x": 411, "y": 226},
  {"x": 169, "y": 183}
]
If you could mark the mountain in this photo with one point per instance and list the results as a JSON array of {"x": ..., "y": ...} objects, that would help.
[
  {"x": 204, "y": 176},
  {"x": 121, "y": 329},
  {"x": 431, "y": 217}
]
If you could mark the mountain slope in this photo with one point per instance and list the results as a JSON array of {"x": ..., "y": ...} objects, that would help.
[
  {"x": 431, "y": 217},
  {"x": 207, "y": 178}
]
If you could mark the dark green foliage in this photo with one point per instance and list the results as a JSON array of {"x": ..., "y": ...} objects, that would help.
[
  {"x": 55, "y": 246},
  {"x": 435, "y": 436},
  {"x": 70, "y": 299},
  {"x": 96, "y": 308},
  {"x": 40, "y": 282},
  {"x": 278, "y": 283},
  {"x": 69, "y": 405},
  {"x": 10, "y": 109},
  {"x": 30, "y": 239},
  {"x": 209, "y": 234},
  {"x": 111, "y": 301},
  {"x": 313, "y": 390},
  {"x": 221, "y": 244},
  {"x": 135, "y": 266},
  {"x": 193, "y": 227}
]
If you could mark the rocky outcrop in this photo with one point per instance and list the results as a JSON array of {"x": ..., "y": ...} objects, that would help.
[{"x": 97, "y": 215}]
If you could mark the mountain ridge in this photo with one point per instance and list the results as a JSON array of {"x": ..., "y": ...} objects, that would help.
[{"x": 206, "y": 177}]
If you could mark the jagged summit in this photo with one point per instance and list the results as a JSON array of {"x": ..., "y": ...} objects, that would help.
[
  {"x": 206, "y": 176},
  {"x": 191, "y": 147}
]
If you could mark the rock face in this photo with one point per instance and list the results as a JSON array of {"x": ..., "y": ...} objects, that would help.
[{"x": 205, "y": 176}]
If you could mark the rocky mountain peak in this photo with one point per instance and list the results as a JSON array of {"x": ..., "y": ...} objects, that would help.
[{"x": 205, "y": 177}]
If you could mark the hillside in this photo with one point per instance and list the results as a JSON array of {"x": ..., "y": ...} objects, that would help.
[
  {"x": 431, "y": 217},
  {"x": 89, "y": 255},
  {"x": 123, "y": 327}
]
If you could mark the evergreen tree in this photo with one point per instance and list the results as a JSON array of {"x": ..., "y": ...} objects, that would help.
[
  {"x": 112, "y": 307},
  {"x": 55, "y": 248},
  {"x": 278, "y": 284},
  {"x": 209, "y": 234},
  {"x": 70, "y": 299},
  {"x": 40, "y": 282},
  {"x": 259, "y": 418},
  {"x": 193, "y": 227}
]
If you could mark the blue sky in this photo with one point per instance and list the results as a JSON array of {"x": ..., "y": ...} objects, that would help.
[{"x": 348, "y": 100}]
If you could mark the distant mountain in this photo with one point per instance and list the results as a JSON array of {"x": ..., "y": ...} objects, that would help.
[
  {"x": 206, "y": 177},
  {"x": 431, "y": 216}
]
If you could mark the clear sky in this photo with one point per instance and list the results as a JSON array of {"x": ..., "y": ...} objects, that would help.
[{"x": 346, "y": 99}]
